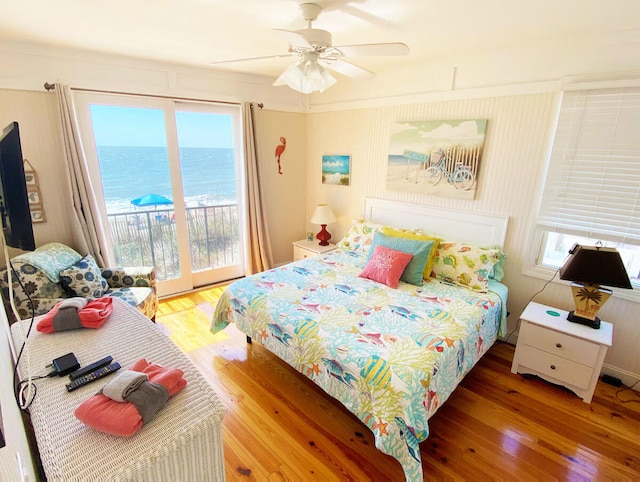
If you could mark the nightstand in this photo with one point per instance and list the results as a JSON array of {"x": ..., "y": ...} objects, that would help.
[
  {"x": 559, "y": 351},
  {"x": 306, "y": 249}
]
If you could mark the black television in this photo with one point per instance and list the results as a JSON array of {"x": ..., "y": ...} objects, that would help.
[{"x": 14, "y": 203}]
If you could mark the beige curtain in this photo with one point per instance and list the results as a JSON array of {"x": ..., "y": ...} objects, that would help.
[
  {"x": 259, "y": 243},
  {"x": 89, "y": 233}
]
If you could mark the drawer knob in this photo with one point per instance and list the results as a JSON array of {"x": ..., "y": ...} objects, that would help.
[
  {"x": 558, "y": 345},
  {"x": 553, "y": 367}
]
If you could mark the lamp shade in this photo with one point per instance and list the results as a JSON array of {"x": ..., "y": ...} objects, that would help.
[
  {"x": 306, "y": 76},
  {"x": 587, "y": 268},
  {"x": 595, "y": 266},
  {"x": 323, "y": 215}
]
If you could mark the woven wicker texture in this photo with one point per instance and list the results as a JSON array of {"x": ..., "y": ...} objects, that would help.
[{"x": 183, "y": 442}]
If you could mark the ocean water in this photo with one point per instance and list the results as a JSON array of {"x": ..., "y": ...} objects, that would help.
[{"x": 208, "y": 175}]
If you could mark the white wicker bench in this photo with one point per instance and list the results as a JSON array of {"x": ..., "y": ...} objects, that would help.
[{"x": 183, "y": 441}]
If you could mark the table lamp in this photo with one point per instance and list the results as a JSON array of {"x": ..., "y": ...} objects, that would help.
[
  {"x": 588, "y": 267},
  {"x": 323, "y": 216}
]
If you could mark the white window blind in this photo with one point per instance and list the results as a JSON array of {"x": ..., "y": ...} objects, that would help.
[{"x": 593, "y": 182}]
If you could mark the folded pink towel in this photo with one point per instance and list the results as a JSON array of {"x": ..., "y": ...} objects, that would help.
[
  {"x": 64, "y": 317},
  {"x": 123, "y": 418}
]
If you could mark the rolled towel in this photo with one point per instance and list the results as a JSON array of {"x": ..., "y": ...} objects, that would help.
[
  {"x": 77, "y": 302},
  {"x": 148, "y": 398},
  {"x": 93, "y": 315},
  {"x": 124, "y": 418},
  {"x": 66, "y": 318},
  {"x": 126, "y": 382}
]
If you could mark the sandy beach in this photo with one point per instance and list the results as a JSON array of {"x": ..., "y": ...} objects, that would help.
[{"x": 399, "y": 178}]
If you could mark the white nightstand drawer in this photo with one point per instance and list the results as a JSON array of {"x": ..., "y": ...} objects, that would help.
[
  {"x": 565, "y": 371},
  {"x": 301, "y": 253},
  {"x": 565, "y": 346},
  {"x": 304, "y": 249}
]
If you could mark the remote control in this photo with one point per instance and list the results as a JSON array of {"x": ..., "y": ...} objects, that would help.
[
  {"x": 93, "y": 376},
  {"x": 80, "y": 372}
]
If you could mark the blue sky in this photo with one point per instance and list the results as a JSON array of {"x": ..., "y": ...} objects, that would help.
[{"x": 132, "y": 126}]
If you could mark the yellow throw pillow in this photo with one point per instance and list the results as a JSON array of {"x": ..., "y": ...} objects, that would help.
[{"x": 398, "y": 233}]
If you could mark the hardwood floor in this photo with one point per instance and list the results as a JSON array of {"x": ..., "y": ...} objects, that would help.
[{"x": 495, "y": 425}]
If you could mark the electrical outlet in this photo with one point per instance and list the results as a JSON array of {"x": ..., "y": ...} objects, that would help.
[{"x": 616, "y": 382}]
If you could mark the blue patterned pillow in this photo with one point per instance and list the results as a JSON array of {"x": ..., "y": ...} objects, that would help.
[{"x": 84, "y": 279}]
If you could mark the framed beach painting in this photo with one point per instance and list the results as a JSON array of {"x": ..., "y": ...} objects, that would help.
[
  {"x": 33, "y": 194},
  {"x": 37, "y": 214},
  {"x": 440, "y": 157},
  {"x": 336, "y": 170}
]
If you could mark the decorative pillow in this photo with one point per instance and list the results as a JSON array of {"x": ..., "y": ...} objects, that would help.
[
  {"x": 360, "y": 236},
  {"x": 401, "y": 233},
  {"x": 84, "y": 279},
  {"x": 465, "y": 264},
  {"x": 386, "y": 266},
  {"x": 497, "y": 272},
  {"x": 420, "y": 250}
]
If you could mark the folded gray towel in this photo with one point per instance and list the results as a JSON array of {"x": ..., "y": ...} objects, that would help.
[
  {"x": 76, "y": 302},
  {"x": 122, "y": 385},
  {"x": 148, "y": 398},
  {"x": 66, "y": 319}
]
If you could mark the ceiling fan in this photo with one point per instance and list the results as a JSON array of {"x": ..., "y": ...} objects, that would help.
[{"x": 314, "y": 51}]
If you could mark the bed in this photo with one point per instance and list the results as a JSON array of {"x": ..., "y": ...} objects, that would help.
[{"x": 391, "y": 356}]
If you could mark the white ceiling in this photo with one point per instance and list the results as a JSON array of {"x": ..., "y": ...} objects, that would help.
[{"x": 199, "y": 32}]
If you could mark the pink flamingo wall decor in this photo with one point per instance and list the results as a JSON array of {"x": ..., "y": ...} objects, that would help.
[{"x": 279, "y": 150}]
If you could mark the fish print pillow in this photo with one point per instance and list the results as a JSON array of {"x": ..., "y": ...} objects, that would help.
[
  {"x": 360, "y": 236},
  {"x": 465, "y": 264}
]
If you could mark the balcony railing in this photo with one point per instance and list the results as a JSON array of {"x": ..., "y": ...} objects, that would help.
[{"x": 148, "y": 238}]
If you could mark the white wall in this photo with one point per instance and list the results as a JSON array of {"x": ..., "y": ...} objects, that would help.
[
  {"x": 37, "y": 115},
  {"x": 285, "y": 194}
]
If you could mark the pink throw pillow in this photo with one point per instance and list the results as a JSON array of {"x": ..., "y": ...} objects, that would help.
[{"x": 386, "y": 266}]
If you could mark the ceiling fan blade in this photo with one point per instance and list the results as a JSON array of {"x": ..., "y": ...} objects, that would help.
[
  {"x": 248, "y": 59},
  {"x": 295, "y": 39},
  {"x": 369, "y": 50},
  {"x": 347, "y": 68}
]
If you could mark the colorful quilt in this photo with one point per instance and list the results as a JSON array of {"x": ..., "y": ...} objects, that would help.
[{"x": 391, "y": 356}]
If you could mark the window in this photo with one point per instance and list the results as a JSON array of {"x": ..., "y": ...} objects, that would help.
[
  {"x": 168, "y": 177},
  {"x": 592, "y": 188}
]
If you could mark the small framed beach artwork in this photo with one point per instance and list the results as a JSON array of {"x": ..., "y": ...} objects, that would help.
[
  {"x": 37, "y": 214},
  {"x": 30, "y": 174},
  {"x": 34, "y": 196},
  {"x": 31, "y": 178},
  {"x": 336, "y": 169},
  {"x": 438, "y": 157}
]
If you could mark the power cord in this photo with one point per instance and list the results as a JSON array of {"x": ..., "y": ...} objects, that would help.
[
  {"x": 24, "y": 390},
  {"x": 509, "y": 335},
  {"x": 625, "y": 388},
  {"x": 23, "y": 397}
]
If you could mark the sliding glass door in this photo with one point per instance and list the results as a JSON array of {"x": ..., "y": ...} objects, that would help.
[{"x": 168, "y": 177}]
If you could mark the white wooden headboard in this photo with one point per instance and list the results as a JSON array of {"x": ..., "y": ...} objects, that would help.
[{"x": 479, "y": 229}]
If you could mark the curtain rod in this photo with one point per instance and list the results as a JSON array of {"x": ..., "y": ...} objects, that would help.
[{"x": 49, "y": 86}]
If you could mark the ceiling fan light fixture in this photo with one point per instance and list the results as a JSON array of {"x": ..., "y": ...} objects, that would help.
[
  {"x": 317, "y": 78},
  {"x": 306, "y": 77}
]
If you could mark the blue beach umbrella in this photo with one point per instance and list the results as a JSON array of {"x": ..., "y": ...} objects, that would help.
[{"x": 151, "y": 200}]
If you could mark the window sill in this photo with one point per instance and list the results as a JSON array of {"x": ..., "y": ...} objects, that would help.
[{"x": 543, "y": 273}]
